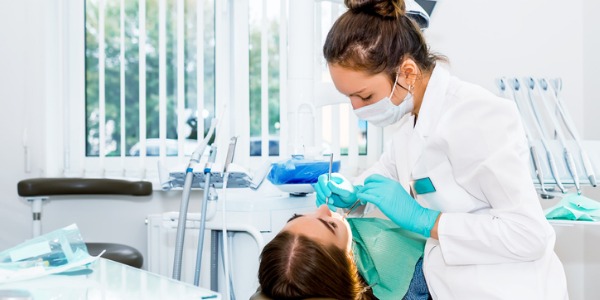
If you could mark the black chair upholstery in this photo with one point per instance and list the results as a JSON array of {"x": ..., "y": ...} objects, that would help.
[
  {"x": 37, "y": 187},
  {"x": 117, "y": 252},
  {"x": 44, "y": 187}
]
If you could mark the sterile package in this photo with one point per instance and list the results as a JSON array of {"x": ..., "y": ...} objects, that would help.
[
  {"x": 297, "y": 170},
  {"x": 575, "y": 208},
  {"x": 51, "y": 253}
]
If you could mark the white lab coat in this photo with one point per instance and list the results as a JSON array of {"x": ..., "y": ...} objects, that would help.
[{"x": 494, "y": 241}]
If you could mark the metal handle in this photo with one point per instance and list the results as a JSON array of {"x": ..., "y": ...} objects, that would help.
[
  {"x": 572, "y": 170},
  {"x": 537, "y": 166},
  {"x": 230, "y": 153},
  {"x": 329, "y": 174},
  {"x": 587, "y": 164},
  {"x": 554, "y": 172}
]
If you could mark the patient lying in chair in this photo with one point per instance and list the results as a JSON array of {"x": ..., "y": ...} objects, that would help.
[{"x": 323, "y": 255}]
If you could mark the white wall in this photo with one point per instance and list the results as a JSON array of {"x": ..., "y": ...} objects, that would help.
[
  {"x": 483, "y": 40},
  {"x": 591, "y": 54},
  {"x": 13, "y": 80},
  {"x": 488, "y": 39},
  {"x": 591, "y": 88}
]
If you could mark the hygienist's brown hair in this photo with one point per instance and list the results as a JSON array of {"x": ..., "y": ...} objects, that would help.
[{"x": 376, "y": 36}]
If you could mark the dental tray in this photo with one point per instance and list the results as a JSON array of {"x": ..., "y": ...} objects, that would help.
[
  {"x": 299, "y": 189},
  {"x": 299, "y": 171},
  {"x": 236, "y": 180}
]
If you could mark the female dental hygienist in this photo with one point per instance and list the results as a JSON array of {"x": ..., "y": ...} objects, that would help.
[{"x": 457, "y": 168}]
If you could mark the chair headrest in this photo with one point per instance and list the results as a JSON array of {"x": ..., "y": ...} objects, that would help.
[{"x": 35, "y": 187}]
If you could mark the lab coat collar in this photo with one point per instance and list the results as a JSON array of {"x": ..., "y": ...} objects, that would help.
[{"x": 433, "y": 100}]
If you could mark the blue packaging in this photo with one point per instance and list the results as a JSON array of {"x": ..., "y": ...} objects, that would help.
[{"x": 300, "y": 171}]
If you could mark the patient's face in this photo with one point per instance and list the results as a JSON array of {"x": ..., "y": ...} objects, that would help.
[{"x": 323, "y": 226}]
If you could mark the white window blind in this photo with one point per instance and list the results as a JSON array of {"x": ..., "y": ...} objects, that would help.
[
  {"x": 358, "y": 144},
  {"x": 154, "y": 61},
  {"x": 157, "y": 71}
]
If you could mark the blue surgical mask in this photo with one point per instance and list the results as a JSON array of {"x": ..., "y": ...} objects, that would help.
[{"x": 384, "y": 112}]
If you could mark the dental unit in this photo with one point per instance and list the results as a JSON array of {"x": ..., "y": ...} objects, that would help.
[
  {"x": 555, "y": 87},
  {"x": 558, "y": 131},
  {"x": 537, "y": 166},
  {"x": 516, "y": 85}
]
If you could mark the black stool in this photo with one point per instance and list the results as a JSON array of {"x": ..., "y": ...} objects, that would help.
[{"x": 37, "y": 190}]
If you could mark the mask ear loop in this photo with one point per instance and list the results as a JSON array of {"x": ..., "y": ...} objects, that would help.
[
  {"x": 394, "y": 87},
  {"x": 411, "y": 87}
]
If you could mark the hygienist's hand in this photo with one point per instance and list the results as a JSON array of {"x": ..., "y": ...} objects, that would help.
[
  {"x": 397, "y": 204},
  {"x": 340, "y": 191}
]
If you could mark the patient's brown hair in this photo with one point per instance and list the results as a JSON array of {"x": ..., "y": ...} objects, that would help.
[{"x": 295, "y": 267}]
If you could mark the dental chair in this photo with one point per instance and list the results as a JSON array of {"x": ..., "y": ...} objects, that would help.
[{"x": 36, "y": 190}]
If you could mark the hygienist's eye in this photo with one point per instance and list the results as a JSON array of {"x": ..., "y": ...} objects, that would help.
[
  {"x": 295, "y": 216},
  {"x": 367, "y": 98}
]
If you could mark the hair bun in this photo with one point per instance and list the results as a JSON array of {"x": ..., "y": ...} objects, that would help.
[{"x": 384, "y": 8}]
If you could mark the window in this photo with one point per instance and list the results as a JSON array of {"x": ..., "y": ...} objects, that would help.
[
  {"x": 337, "y": 116},
  {"x": 154, "y": 73},
  {"x": 148, "y": 78},
  {"x": 264, "y": 76}
]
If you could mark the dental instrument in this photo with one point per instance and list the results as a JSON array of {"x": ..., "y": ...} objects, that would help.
[
  {"x": 351, "y": 208},
  {"x": 543, "y": 84},
  {"x": 537, "y": 166},
  {"x": 538, "y": 125},
  {"x": 555, "y": 87},
  {"x": 329, "y": 174},
  {"x": 207, "y": 174},
  {"x": 185, "y": 199},
  {"x": 228, "y": 161}
]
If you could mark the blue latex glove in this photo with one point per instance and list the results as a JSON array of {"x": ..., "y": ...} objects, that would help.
[
  {"x": 397, "y": 204},
  {"x": 340, "y": 191}
]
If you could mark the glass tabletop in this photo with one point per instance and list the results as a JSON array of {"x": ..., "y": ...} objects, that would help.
[{"x": 106, "y": 279}]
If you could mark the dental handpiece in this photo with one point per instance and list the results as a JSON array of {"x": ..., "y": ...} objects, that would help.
[
  {"x": 537, "y": 121},
  {"x": 556, "y": 86},
  {"x": 543, "y": 85},
  {"x": 537, "y": 166},
  {"x": 230, "y": 154}
]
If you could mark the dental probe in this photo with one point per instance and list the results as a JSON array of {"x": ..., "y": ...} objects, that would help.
[
  {"x": 351, "y": 208},
  {"x": 329, "y": 174}
]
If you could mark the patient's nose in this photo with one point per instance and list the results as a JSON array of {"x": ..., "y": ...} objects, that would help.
[{"x": 323, "y": 210}]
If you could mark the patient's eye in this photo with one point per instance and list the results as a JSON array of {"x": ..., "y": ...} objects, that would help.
[{"x": 333, "y": 224}]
